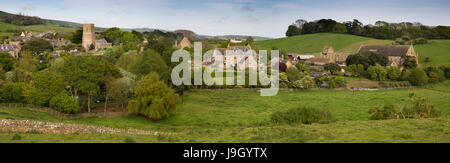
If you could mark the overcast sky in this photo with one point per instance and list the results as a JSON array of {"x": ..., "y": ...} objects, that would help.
[{"x": 268, "y": 18}]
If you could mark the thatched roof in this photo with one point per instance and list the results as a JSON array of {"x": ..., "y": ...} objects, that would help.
[{"x": 386, "y": 50}]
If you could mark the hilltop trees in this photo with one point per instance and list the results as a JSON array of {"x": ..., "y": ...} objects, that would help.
[{"x": 416, "y": 32}]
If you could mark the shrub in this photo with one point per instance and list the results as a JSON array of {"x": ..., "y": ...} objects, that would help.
[
  {"x": 154, "y": 99},
  {"x": 331, "y": 81},
  {"x": 446, "y": 70},
  {"x": 418, "y": 77},
  {"x": 303, "y": 115},
  {"x": 405, "y": 75},
  {"x": 420, "y": 108},
  {"x": 393, "y": 73},
  {"x": 293, "y": 74},
  {"x": 64, "y": 103},
  {"x": 13, "y": 92},
  {"x": 383, "y": 113},
  {"x": 435, "y": 74},
  {"x": 129, "y": 140},
  {"x": 377, "y": 73},
  {"x": 304, "y": 83},
  {"x": 332, "y": 67},
  {"x": 16, "y": 137}
]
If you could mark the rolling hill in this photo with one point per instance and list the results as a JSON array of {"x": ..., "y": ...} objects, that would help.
[
  {"x": 314, "y": 43},
  {"x": 438, "y": 51}
]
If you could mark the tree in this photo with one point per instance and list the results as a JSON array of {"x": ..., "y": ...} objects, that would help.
[
  {"x": 410, "y": 62},
  {"x": 332, "y": 67},
  {"x": 37, "y": 46},
  {"x": 418, "y": 77},
  {"x": 148, "y": 62},
  {"x": 85, "y": 74},
  {"x": 249, "y": 40},
  {"x": 153, "y": 98},
  {"x": 377, "y": 72},
  {"x": 7, "y": 61},
  {"x": 377, "y": 58},
  {"x": 62, "y": 102},
  {"x": 357, "y": 59},
  {"x": 44, "y": 85},
  {"x": 77, "y": 36},
  {"x": 435, "y": 74},
  {"x": 293, "y": 31},
  {"x": 393, "y": 73},
  {"x": 27, "y": 65},
  {"x": 13, "y": 92}
]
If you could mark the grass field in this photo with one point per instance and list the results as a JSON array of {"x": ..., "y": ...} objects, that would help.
[
  {"x": 314, "y": 43},
  {"x": 438, "y": 51},
  {"x": 244, "y": 116}
]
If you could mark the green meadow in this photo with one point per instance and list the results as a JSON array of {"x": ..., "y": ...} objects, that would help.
[
  {"x": 438, "y": 51},
  {"x": 244, "y": 116}
]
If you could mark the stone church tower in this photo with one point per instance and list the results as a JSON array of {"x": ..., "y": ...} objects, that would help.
[{"x": 88, "y": 36}]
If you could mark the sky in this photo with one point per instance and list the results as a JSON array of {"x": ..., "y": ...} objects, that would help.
[{"x": 268, "y": 18}]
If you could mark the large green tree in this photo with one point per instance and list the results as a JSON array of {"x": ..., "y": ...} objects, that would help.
[
  {"x": 7, "y": 61},
  {"x": 153, "y": 98},
  {"x": 37, "y": 46},
  {"x": 44, "y": 85}
]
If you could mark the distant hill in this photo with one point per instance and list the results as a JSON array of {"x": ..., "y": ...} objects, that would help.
[{"x": 314, "y": 43}]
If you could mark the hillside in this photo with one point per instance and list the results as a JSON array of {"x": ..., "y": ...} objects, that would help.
[
  {"x": 438, "y": 52},
  {"x": 314, "y": 43}
]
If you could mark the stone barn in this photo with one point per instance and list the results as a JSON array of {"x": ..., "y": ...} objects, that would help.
[{"x": 394, "y": 53}]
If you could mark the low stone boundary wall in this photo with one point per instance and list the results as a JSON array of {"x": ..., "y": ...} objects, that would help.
[{"x": 62, "y": 115}]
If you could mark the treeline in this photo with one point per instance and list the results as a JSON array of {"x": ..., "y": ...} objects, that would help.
[
  {"x": 22, "y": 20},
  {"x": 381, "y": 29}
]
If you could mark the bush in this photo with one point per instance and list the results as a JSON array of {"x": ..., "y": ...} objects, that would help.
[
  {"x": 418, "y": 77},
  {"x": 154, "y": 99},
  {"x": 64, "y": 103},
  {"x": 305, "y": 83},
  {"x": 446, "y": 70},
  {"x": 303, "y": 115},
  {"x": 405, "y": 75},
  {"x": 420, "y": 108},
  {"x": 383, "y": 113},
  {"x": 293, "y": 74},
  {"x": 393, "y": 73},
  {"x": 331, "y": 81},
  {"x": 13, "y": 92},
  {"x": 332, "y": 67},
  {"x": 377, "y": 73},
  {"x": 435, "y": 74}
]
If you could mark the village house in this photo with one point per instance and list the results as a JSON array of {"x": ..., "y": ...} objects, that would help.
[
  {"x": 234, "y": 55},
  {"x": 59, "y": 42},
  {"x": 328, "y": 55},
  {"x": 334, "y": 57},
  {"x": 393, "y": 53},
  {"x": 12, "y": 48}
]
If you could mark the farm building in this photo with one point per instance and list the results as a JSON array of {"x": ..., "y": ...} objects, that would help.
[{"x": 394, "y": 53}]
